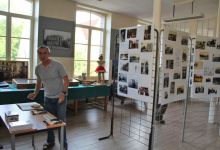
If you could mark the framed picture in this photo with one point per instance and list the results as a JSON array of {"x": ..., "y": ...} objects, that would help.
[{"x": 57, "y": 39}]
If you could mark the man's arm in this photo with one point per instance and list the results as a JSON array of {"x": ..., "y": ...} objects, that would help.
[
  {"x": 36, "y": 91},
  {"x": 65, "y": 84}
]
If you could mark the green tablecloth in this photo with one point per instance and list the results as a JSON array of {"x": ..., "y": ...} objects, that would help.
[{"x": 12, "y": 95}]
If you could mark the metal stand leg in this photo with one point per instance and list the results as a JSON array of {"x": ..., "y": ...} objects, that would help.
[
  {"x": 212, "y": 110},
  {"x": 12, "y": 142},
  {"x": 62, "y": 138},
  {"x": 33, "y": 140}
]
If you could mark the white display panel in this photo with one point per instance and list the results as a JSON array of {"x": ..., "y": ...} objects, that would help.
[
  {"x": 135, "y": 68},
  {"x": 206, "y": 68},
  {"x": 174, "y": 67}
]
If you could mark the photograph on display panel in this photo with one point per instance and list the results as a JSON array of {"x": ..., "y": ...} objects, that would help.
[
  {"x": 211, "y": 43},
  {"x": 131, "y": 33},
  {"x": 200, "y": 44}
]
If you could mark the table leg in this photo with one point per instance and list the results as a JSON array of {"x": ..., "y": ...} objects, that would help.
[
  {"x": 212, "y": 108},
  {"x": 32, "y": 140},
  {"x": 12, "y": 142},
  {"x": 75, "y": 106},
  {"x": 62, "y": 138},
  {"x": 105, "y": 103}
]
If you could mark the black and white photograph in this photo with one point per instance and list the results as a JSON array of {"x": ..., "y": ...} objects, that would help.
[
  {"x": 166, "y": 80},
  {"x": 123, "y": 89},
  {"x": 134, "y": 58},
  {"x": 57, "y": 39},
  {"x": 133, "y": 44},
  {"x": 184, "y": 55},
  {"x": 122, "y": 34},
  {"x": 212, "y": 90},
  {"x": 168, "y": 50},
  {"x": 172, "y": 87},
  {"x": 184, "y": 72},
  {"x": 184, "y": 40},
  {"x": 218, "y": 46},
  {"x": 216, "y": 58},
  {"x": 124, "y": 56},
  {"x": 217, "y": 70},
  {"x": 208, "y": 80},
  {"x": 200, "y": 44},
  {"x": 204, "y": 56},
  {"x": 144, "y": 67},
  {"x": 180, "y": 90},
  {"x": 198, "y": 78},
  {"x": 147, "y": 33},
  {"x": 166, "y": 95},
  {"x": 133, "y": 83},
  {"x": 143, "y": 91},
  {"x": 216, "y": 80},
  {"x": 146, "y": 47},
  {"x": 122, "y": 77},
  {"x": 172, "y": 36},
  {"x": 176, "y": 75},
  {"x": 199, "y": 89},
  {"x": 208, "y": 70},
  {"x": 124, "y": 66},
  {"x": 169, "y": 64},
  {"x": 211, "y": 43},
  {"x": 131, "y": 33},
  {"x": 198, "y": 65}
]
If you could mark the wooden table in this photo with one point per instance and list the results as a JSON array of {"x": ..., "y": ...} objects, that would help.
[{"x": 36, "y": 120}]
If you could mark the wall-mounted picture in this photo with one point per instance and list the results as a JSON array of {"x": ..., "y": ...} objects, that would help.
[
  {"x": 172, "y": 36},
  {"x": 147, "y": 33},
  {"x": 134, "y": 58},
  {"x": 204, "y": 56},
  {"x": 143, "y": 91},
  {"x": 57, "y": 39},
  {"x": 124, "y": 56},
  {"x": 184, "y": 55},
  {"x": 218, "y": 46},
  {"x": 123, "y": 89},
  {"x": 176, "y": 75},
  {"x": 198, "y": 65},
  {"x": 133, "y": 44},
  {"x": 168, "y": 50},
  {"x": 133, "y": 83},
  {"x": 166, "y": 80},
  {"x": 198, "y": 78},
  {"x": 132, "y": 33},
  {"x": 211, "y": 43},
  {"x": 180, "y": 90},
  {"x": 208, "y": 79},
  {"x": 216, "y": 80},
  {"x": 184, "y": 72},
  {"x": 217, "y": 70},
  {"x": 200, "y": 44},
  {"x": 172, "y": 87},
  {"x": 124, "y": 66},
  {"x": 169, "y": 64},
  {"x": 122, "y": 77},
  {"x": 166, "y": 95},
  {"x": 199, "y": 89},
  {"x": 122, "y": 35},
  {"x": 144, "y": 67},
  {"x": 212, "y": 90},
  {"x": 146, "y": 47},
  {"x": 208, "y": 71},
  {"x": 216, "y": 58},
  {"x": 184, "y": 40}
]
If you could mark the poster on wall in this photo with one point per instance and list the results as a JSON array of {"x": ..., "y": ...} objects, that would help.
[
  {"x": 174, "y": 66},
  {"x": 136, "y": 57},
  {"x": 206, "y": 70}
]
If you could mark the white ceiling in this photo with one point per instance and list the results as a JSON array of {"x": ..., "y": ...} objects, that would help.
[{"x": 143, "y": 9}]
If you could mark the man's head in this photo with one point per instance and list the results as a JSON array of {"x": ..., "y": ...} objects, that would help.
[{"x": 43, "y": 53}]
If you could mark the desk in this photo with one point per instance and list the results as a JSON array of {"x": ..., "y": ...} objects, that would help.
[
  {"x": 36, "y": 121},
  {"x": 77, "y": 93}
]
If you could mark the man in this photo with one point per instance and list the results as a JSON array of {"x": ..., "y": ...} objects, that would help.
[{"x": 55, "y": 82}]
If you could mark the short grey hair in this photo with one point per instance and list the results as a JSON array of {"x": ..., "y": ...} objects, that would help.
[{"x": 43, "y": 46}]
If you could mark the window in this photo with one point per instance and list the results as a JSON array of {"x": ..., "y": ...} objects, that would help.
[
  {"x": 89, "y": 41},
  {"x": 16, "y": 19}
]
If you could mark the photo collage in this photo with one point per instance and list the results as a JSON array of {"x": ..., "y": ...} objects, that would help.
[
  {"x": 136, "y": 56},
  {"x": 173, "y": 75}
]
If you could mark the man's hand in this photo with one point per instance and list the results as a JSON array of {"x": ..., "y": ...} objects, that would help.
[
  {"x": 61, "y": 98},
  {"x": 32, "y": 96}
]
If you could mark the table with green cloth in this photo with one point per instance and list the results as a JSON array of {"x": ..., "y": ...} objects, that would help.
[{"x": 12, "y": 95}]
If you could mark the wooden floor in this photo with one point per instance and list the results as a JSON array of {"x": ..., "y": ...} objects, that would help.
[{"x": 89, "y": 124}]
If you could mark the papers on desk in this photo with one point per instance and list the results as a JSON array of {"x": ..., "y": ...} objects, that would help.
[
  {"x": 30, "y": 106},
  {"x": 19, "y": 125}
]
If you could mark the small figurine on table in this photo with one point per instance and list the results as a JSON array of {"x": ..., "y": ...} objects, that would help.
[{"x": 100, "y": 69}]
